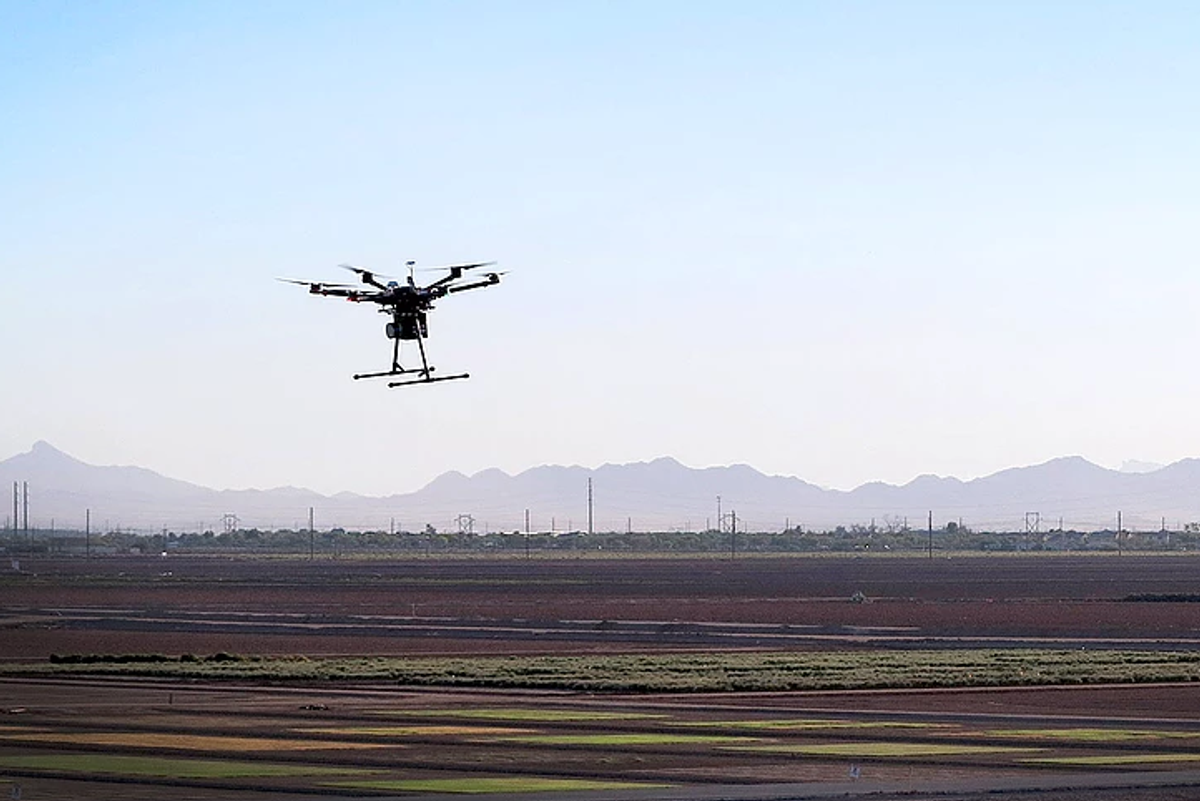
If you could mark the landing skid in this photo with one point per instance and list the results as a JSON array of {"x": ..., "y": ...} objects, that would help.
[
  {"x": 399, "y": 371},
  {"x": 427, "y": 379},
  {"x": 416, "y": 375}
]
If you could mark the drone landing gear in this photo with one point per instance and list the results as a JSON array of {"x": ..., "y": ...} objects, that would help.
[
  {"x": 426, "y": 379},
  {"x": 415, "y": 376},
  {"x": 394, "y": 371},
  {"x": 421, "y": 375}
]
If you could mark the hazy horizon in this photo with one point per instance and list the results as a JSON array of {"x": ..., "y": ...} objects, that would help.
[
  {"x": 663, "y": 495},
  {"x": 1128, "y": 466},
  {"x": 848, "y": 243}
]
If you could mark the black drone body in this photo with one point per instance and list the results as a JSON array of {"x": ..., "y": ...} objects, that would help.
[{"x": 408, "y": 305}]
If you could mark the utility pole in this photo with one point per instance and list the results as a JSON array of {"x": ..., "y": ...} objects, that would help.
[
  {"x": 87, "y": 534},
  {"x": 25, "y": 502},
  {"x": 720, "y": 520},
  {"x": 311, "y": 536},
  {"x": 589, "y": 506},
  {"x": 733, "y": 534},
  {"x": 629, "y": 525},
  {"x": 527, "y": 532},
  {"x": 1118, "y": 533},
  {"x": 930, "y": 533}
]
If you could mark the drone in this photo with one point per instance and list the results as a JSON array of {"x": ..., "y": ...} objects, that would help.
[{"x": 408, "y": 305}]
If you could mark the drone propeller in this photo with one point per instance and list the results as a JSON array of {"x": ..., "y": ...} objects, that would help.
[
  {"x": 362, "y": 271},
  {"x": 324, "y": 284},
  {"x": 455, "y": 267},
  {"x": 368, "y": 276}
]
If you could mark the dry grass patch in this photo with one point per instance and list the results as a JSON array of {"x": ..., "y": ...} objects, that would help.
[
  {"x": 418, "y": 731},
  {"x": 806, "y": 725},
  {"x": 486, "y": 784},
  {"x": 870, "y": 750},
  {"x": 188, "y": 742},
  {"x": 528, "y": 714},
  {"x": 1114, "y": 759},
  {"x": 1094, "y": 735},
  {"x": 161, "y": 767},
  {"x": 629, "y": 738}
]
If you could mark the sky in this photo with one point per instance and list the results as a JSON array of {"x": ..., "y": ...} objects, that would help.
[{"x": 845, "y": 241}]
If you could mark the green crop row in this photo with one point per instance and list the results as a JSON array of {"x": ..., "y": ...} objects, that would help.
[{"x": 669, "y": 672}]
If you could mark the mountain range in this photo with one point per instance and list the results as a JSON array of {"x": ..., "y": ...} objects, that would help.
[{"x": 661, "y": 495}]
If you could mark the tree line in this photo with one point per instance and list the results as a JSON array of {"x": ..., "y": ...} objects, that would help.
[{"x": 842, "y": 539}]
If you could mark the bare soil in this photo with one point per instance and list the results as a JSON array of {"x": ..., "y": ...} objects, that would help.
[{"x": 489, "y": 606}]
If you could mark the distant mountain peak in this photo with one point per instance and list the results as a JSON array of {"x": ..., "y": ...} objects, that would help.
[
  {"x": 1073, "y": 463},
  {"x": 44, "y": 453},
  {"x": 1069, "y": 460},
  {"x": 491, "y": 473},
  {"x": 43, "y": 448}
]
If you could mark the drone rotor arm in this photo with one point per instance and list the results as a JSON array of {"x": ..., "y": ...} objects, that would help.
[
  {"x": 454, "y": 274},
  {"x": 455, "y": 271},
  {"x": 320, "y": 287},
  {"x": 492, "y": 278},
  {"x": 368, "y": 277}
]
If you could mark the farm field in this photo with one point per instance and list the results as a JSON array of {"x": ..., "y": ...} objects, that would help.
[
  {"x": 442, "y": 606},
  {"x": 73, "y": 732}
]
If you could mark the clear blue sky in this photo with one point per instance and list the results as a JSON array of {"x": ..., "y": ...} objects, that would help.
[{"x": 846, "y": 241}]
